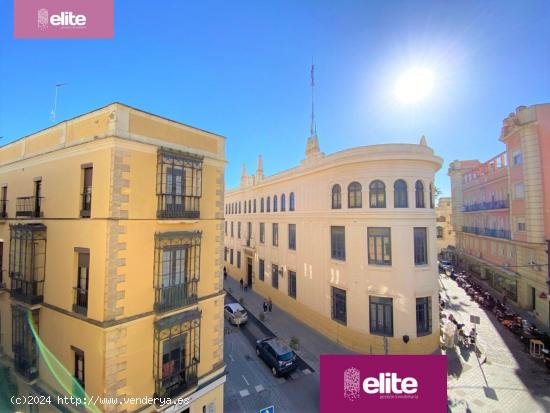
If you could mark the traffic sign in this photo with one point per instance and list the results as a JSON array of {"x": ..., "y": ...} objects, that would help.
[
  {"x": 474, "y": 319},
  {"x": 270, "y": 409}
]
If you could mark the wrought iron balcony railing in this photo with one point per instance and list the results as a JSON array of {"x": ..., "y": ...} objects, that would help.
[
  {"x": 80, "y": 301},
  {"x": 167, "y": 298},
  {"x": 178, "y": 206},
  {"x": 488, "y": 232},
  {"x": 3, "y": 208},
  {"x": 29, "y": 207},
  {"x": 176, "y": 381},
  {"x": 25, "y": 361},
  {"x": 28, "y": 291},
  {"x": 86, "y": 205},
  {"x": 484, "y": 206}
]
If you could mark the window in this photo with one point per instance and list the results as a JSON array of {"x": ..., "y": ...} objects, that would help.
[
  {"x": 381, "y": 316},
  {"x": 249, "y": 205},
  {"x": 25, "y": 350},
  {"x": 176, "y": 353},
  {"x": 338, "y": 243},
  {"x": 261, "y": 205},
  {"x": 441, "y": 219},
  {"x": 283, "y": 203},
  {"x": 268, "y": 206},
  {"x": 240, "y": 207},
  {"x": 177, "y": 264},
  {"x": 520, "y": 193},
  {"x": 423, "y": 316},
  {"x": 179, "y": 184},
  {"x": 238, "y": 259},
  {"x": 4, "y": 202},
  {"x": 420, "y": 246},
  {"x": 86, "y": 207},
  {"x": 439, "y": 232},
  {"x": 275, "y": 234},
  {"x": 354, "y": 195},
  {"x": 225, "y": 227},
  {"x": 274, "y": 276},
  {"x": 516, "y": 158},
  {"x": 400, "y": 198},
  {"x": 379, "y": 246},
  {"x": 292, "y": 237},
  {"x": 419, "y": 194},
  {"x": 262, "y": 233},
  {"x": 261, "y": 270},
  {"x": 225, "y": 254},
  {"x": 79, "y": 366},
  {"x": 291, "y": 202},
  {"x": 431, "y": 196},
  {"x": 521, "y": 225},
  {"x": 339, "y": 311},
  {"x": 254, "y": 204},
  {"x": 274, "y": 203},
  {"x": 336, "y": 197},
  {"x": 245, "y": 207},
  {"x": 80, "y": 304},
  {"x": 377, "y": 194},
  {"x": 292, "y": 284},
  {"x": 231, "y": 256},
  {"x": 232, "y": 234},
  {"x": 238, "y": 230}
]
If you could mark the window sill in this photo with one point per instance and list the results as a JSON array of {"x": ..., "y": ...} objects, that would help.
[
  {"x": 175, "y": 221},
  {"x": 342, "y": 323},
  {"x": 375, "y": 333},
  {"x": 380, "y": 266}
]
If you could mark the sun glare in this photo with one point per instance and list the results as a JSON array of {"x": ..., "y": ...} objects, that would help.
[{"x": 414, "y": 85}]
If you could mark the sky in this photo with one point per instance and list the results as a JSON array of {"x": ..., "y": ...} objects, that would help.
[{"x": 241, "y": 69}]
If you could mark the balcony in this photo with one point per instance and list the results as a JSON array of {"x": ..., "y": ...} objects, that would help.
[
  {"x": 80, "y": 301},
  {"x": 28, "y": 291},
  {"x": 29, "y": 207},
  {"x": 3, "y": 208},
  {"x": 488, "y": 232},
  {"x": 86, "y": 204},
  {"x": 25, "y": 360},
  {"x": 175, "y": 382},
  {"x": 178, "y": 206},
  {"x": 249, "y": 246},
  {"x": 180, "y": 295},
  {"x": 485, "y": 206}
]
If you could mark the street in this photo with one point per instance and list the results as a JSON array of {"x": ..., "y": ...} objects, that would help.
[{"x": 250, "y": 385}]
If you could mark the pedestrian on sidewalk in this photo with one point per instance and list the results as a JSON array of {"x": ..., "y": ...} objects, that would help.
[
  {"x": 270, "y": 304},
  {"x": 265, "y": 306},
  {"x": 224, "y": 273},
  {"x": 246, "y": 286},
  {"x": 242, "y": 284}
]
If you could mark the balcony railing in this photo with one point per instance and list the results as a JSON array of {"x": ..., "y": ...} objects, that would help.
[
  {"x": 25, "y": 361},
  {"x": 31, "y": 292},
  {"x": 483, "y": 206},
  {"x": 3, "y": 208},
  {"x": 86, "y": 210},
  {"x": 80, "y": 301},
  {"x": 488, "y": 232},
  {"x": 29, "y": 207},
  {"x": 178, "y": 206},
  {"x": 167, "y": 298},
  {"x": 174, "y": 383}
]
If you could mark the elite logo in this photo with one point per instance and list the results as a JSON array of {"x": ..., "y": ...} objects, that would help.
[
  {"x": 65, "y": 18},
  {"x": 384, "y": 384}
]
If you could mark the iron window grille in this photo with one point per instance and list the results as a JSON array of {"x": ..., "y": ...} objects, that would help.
[
  {"x": 25, "y": 350},
  {"x": 176, "y": 354},
  {"x": 339, "y": 309},
  {"x": 179, "y": 184},
  {"x": 177, "y": 269},
  {"x": 27, "y": 262}
]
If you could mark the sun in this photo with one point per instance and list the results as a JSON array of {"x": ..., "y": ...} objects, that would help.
[{"x": 414, "y": 85}]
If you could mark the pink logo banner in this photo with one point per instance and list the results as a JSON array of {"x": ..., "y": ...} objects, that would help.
[
  {"x": 63, "y": 19},
  {"x": 383, "y": 384}
]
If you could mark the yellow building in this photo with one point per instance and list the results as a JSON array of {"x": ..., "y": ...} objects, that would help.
[
  {"x": 111, "y": 228},
  {"x": 345, "y": 242},
  {"x": 444, "y": 228}
]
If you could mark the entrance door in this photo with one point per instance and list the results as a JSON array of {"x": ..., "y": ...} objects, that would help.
[{"x": 249, "y": 271}]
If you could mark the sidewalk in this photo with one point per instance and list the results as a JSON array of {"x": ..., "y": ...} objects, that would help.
[{"x": 311, "y": 343}]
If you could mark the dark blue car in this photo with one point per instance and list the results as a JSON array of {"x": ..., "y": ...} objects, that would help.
[{"x": 277, "y": 355}]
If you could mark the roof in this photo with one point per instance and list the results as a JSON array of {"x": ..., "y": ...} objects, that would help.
[
  {"x": 235, "y": 307},
  {"x": 279, "y": 346}
]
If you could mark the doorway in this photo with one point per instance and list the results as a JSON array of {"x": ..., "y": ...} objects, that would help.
[
  {"x": 249, "y": 271},
  {"x": 533, "y": 297}
]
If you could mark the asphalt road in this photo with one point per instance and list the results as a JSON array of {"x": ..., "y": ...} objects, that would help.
[{"x": 250, "y": 385}]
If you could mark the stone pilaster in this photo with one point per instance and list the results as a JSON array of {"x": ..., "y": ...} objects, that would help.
[{"x": 115, "y": 366}]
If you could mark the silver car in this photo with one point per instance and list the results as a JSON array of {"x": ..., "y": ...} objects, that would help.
[{"x": 235, "y": 314}]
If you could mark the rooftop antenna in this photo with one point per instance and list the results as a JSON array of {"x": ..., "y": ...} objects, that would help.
[
  {"x": 54, "y": 110},
  {"x": 313, "y": 126}
]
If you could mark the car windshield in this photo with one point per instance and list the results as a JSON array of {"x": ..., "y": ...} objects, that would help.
[
  {"x": 287, "y": 356},
  {"x": 240, "y": 313}
]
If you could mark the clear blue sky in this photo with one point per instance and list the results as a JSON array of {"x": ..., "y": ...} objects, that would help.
[{"x": 241, "y": 69}]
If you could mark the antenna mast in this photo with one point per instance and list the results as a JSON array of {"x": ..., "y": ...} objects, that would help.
[
  {"x": 313, "y": 126},
  {"x": 54, "y": 110}
]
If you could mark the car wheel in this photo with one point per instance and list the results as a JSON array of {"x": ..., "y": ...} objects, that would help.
[
  {"x": 274, "y": 371},
  {"x": 258, "y": 352}
]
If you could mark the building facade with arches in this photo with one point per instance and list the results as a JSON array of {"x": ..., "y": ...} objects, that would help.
[{"x": 345, "y": 242}]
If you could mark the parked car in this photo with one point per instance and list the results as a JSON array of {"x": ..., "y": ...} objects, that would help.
[
  {"x": 235, "y": 314},
  {"x": 277, "y": 355},
  {"x": 445, "y": 266}
]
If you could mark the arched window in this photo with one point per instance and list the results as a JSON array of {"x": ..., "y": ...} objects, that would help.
[
  {"x": 419, "y": 194},
  {"x": 431, "y": 195},
  {"x": 377, "y": 194},
  {"x": 336, "y": 196},
  {"x": 268, "y": 207},
  {"x": 274, "y": 203},
  {"x": 283, "y": 203},
  {"x": 400, "y": 198},
  {"x": 291, "y": 202},
  {"x": 262, "y": 205},
  {"x": 254, "y": 203},
  {"x": 354, "y": 195}
]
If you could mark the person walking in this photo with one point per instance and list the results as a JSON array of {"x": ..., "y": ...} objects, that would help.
[
  {"x": 246, "y": 286},
  {"x": 265, "y": 306},
  {"x": 242, "y": 284},
  {"x": 224, "y": 273},
  {"x": 270, "y": 304}
]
